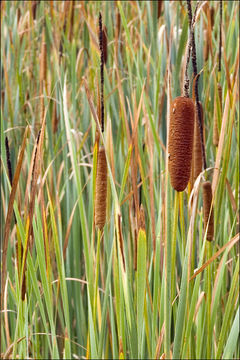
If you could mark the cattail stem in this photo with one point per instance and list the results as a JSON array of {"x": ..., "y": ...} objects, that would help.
[
  {"x": 186, "y": 78},
  {"x": 196, "y": 75},
  {"x": 102, "y": 69}
]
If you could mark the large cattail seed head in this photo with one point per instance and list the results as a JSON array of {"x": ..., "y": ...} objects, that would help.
[
  {"x": 207, "y": 216},
  {"x": 101, "y": 189},
  {"x": 180, "y": 141}
]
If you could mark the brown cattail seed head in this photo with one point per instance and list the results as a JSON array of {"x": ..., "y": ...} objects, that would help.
[
  {"x": 197, "y": 148},
  {"x": 207, "y": 202},
  {"x": 180, "y": 141},
  {"x": 101, "y": 189}
]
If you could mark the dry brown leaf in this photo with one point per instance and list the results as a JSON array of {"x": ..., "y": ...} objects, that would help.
[{"x": 230, "y": 243}]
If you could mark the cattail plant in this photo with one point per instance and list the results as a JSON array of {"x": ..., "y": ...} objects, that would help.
[
  {"x": 180, "y": 138},
  {"x": 101, "y": 176},
  {"x": 207, "y": 210},
  {"x": 207, "y": 188}
]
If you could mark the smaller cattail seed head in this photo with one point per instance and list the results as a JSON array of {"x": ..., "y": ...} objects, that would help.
[
  {"x": 101, "y": 189},
  {"x": 208, "y": 216}
]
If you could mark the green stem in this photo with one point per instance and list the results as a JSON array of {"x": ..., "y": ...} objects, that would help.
[
  {"x": 209, "y": 336},
  {"x": 168, "y": 260}
]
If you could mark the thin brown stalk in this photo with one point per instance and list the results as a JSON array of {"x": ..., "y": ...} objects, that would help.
[{"x": 101, "y": 70}]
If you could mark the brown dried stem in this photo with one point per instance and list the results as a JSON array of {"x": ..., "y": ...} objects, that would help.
[{"x": 101, "y": 69}]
